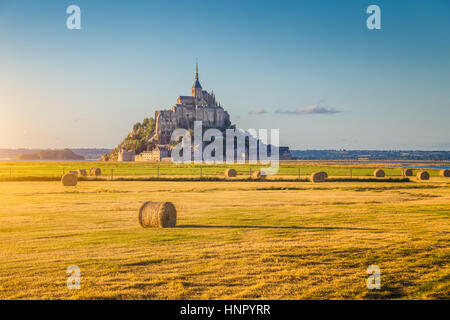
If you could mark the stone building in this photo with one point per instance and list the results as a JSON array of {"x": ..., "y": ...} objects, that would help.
[
  {"x": 285, "y": 153},
  {"x": 125, "y": 155},
  {"x": 199, "y": 106},
  {"x": 157, "y": 154}
]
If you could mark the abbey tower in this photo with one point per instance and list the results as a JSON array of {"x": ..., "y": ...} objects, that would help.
[{"x": 199, "y": 106}]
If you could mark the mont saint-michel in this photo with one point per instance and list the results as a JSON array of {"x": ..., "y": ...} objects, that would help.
[
  {"x": 150, "y": 140},
  {"x": 199, "y": 106}
]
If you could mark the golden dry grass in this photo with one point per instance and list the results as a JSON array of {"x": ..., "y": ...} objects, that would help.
[{"x": 238, "y": 240}]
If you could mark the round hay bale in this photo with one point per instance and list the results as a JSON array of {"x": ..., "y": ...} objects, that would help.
[
  {"x": 423, "y": 175},
  {"x": 258, "y": 175},
  {"x": 325, "y": 175},
  {"x": 444, "y": 173},
  {"x": 378, "y": 173},
  {"x": 408, "y": 172},
  {"x": 69, "y": 180},
  {"x": 95, "y": 172},
  {"x": 317, "y": 177},
  {"x": 75, "y": 173},
  {"x": 158, "y": 215},
  {"x": 82, "y": 172},
  {"x": 230, "y": 173}
]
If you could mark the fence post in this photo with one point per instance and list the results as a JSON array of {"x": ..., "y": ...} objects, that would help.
[
  {"x": 63, "y": 171},
  {"x": 403, "y": 172},
  {"x": 200, "y": 172}
]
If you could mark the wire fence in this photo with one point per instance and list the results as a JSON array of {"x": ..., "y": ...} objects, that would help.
[{"x": 200, "y": 171}]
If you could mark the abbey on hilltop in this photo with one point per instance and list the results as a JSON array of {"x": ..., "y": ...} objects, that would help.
[
  {"x": 199, "y": 106},
  {"x": 150, "y": 140}
]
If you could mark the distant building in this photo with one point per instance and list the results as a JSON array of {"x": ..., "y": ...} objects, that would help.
[
  {"x": 157, "y": 154},
  {"x": 285, "y": 153},
  {"x": 125, "y": 155},
  {"x": 254, "y": 148}
]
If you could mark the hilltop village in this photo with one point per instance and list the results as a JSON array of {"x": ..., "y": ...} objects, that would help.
[{"x": 150, "y": 140}]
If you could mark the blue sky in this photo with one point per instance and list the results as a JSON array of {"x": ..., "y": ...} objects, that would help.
[{"x": 310, "y": 68}]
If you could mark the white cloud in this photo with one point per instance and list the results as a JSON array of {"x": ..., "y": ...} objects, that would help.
[
  {"x": 257, "y": 112},
  {"x": 310, "y": 110}
]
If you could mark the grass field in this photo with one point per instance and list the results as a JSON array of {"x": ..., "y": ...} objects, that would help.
[
  {"x": 35, "y": 170},
  {"x": 238, "y": 240}
]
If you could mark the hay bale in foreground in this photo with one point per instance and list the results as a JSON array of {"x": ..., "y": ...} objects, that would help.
[
  {"x": 258, "y": 175},
  {"x": 69, "y": 180},
  {"x": 408, "y": 172},
  {"x": 82, "y": 172},
  {"x": 444, "y": 173},
  {"x": 95, "y": 172},
  {"x": 378, "y": 173},
  {"x": 230, "y": 173},
  {"x": 158, "y": 215},
  {"x": 325, "y": 175},
  {"x": 423, "y": 175},
  {"x": 318, "y": 177}
]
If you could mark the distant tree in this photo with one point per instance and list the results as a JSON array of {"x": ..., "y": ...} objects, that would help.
[
  {"x": 137, "y": 141},
  {"x": 136, "y": 127}
]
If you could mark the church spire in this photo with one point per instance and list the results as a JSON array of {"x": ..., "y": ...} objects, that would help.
[
  {"x": 196, "y": 88},
  {"x": 196, "y": 70}
]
